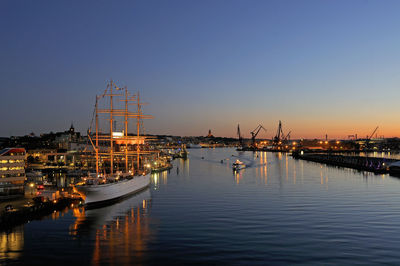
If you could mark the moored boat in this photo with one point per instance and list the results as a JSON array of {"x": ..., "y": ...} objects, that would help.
[
  {"x": 109, "y": 185},
  {"x": 95, "y": 218},
  {"x": 95, "y": 192}
]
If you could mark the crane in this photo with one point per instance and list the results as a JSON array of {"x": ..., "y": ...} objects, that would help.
[
  {"x": 279, "y": 135},
  {"x": 373, "y": 132},
  {"x": 254, "y": 134},
  {"x": 287, "y": 137},
  {"x": 239, "y": 136},
  {"x": 369, "y": 137}
]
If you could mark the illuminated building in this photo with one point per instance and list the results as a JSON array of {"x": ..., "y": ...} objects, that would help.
[{"x": 12, "y": 172}]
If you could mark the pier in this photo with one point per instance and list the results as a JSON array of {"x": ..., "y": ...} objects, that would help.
[
  {"x": 362, "y": 163},
  {"x": 161, "y": 168},
  {"x": 35, "y": 211}
]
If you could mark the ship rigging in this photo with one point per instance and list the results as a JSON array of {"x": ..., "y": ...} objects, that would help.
[
  {"x": 121, "y": 145},
  {"x": 114, "y": 147}
]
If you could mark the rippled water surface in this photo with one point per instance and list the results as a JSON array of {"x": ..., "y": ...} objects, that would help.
[{"x": 276, "y": 211}]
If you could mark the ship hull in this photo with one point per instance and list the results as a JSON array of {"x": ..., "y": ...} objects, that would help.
[{"x": 102, "y": 194}]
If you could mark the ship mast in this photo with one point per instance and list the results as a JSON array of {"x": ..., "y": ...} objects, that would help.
[
  {"x": 97, "y": 139},
  {"x": 138, "y": 129},
  {"x": 111, "y": 130},
  {"x": 123, "y": 140},
  {"x": 126, "y": 129}
]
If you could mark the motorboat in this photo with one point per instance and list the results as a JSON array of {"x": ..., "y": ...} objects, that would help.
[{"x": 238, "y": 165}]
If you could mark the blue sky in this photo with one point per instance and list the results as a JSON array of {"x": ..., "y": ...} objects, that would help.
[{"x": 322, "y": 67}]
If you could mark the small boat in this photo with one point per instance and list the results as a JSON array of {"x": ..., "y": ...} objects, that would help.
[
  {"x": 238, "y": 165},
  {"x": 193, "y": 146}
]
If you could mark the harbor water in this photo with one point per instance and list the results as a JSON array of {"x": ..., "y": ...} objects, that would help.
[{"x": 276, "y": 211}]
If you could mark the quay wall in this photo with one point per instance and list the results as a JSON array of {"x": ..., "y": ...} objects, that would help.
[
  {"x": 362, "y": 163},
  {"x": 9, "y": 219}
]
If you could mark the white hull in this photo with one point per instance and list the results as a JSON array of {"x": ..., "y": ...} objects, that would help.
[
  {"x": 238, "y": 166},
  {"x": 94, "y": 194},
  {"x": 108, "y": 213}
]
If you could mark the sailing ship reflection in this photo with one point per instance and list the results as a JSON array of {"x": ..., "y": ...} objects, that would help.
[
  {"x": 121, "y": 230},
  {"x": 94, "y": 219}
]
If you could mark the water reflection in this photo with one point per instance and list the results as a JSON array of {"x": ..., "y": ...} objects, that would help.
[
  {"x": 121, "y": 230},
  {"x": 238, "y": 175},
  {"x": 279, "y": 168},
  {"x": 59, "y": 214},
  {"x": 276, "y": 211},
  {"x": 183, "y": 166},
  {"x": 324, "y": 176},
  {"x": 12, "y": 244},
  {"x": 159, "y": 178},
  {"x": 94, "y": 219}
]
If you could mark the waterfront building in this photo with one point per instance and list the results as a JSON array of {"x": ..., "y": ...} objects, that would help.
[
  {"x": 12, "y": 172},
  {"x": 64, "y": 139}
]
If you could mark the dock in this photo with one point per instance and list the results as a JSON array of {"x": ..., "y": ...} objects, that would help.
[
  {"x": 33, "y": 211},
  {"x": 362, "y": 163},
  {"x": 161, "y": 168}
]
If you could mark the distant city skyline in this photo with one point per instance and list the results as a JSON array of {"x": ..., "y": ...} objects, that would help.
[{"x": 321, "y": 67}]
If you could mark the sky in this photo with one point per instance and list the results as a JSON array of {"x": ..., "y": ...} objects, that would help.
[{"x": 322, "y": 67}]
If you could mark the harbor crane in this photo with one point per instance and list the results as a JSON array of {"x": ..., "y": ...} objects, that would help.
[
  {"x": 279, "y": 135},
  {"x": 254, "y": 134},
  {"x": 373, "y": 132},
  {"x": 287, "y": 137},
  {"x": 239, "y": 136},
  {"x": 280, "y": 138},
  {"x": 367, "y": 140}
]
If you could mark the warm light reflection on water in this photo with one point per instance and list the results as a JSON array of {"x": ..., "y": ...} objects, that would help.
[
  {"x": 238, "y": 175},
  {"x": 122, "y": 226},
  {"x": 128, "y": 234},
  {"x": 161, "y": 177},
  {"x": 12, "y": 243},
  {"x": 275, "y": 211}
]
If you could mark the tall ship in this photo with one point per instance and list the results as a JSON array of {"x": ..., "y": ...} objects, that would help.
[{"x": 122, "y": 159}]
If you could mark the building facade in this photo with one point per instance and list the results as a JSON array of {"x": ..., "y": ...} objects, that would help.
[{"x": 12, "y": 172}]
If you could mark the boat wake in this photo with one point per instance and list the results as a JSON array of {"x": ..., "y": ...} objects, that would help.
[{"x": 249, "y": 162}]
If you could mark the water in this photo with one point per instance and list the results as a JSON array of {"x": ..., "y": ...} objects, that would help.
[{"x": 276, "y": 211}]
